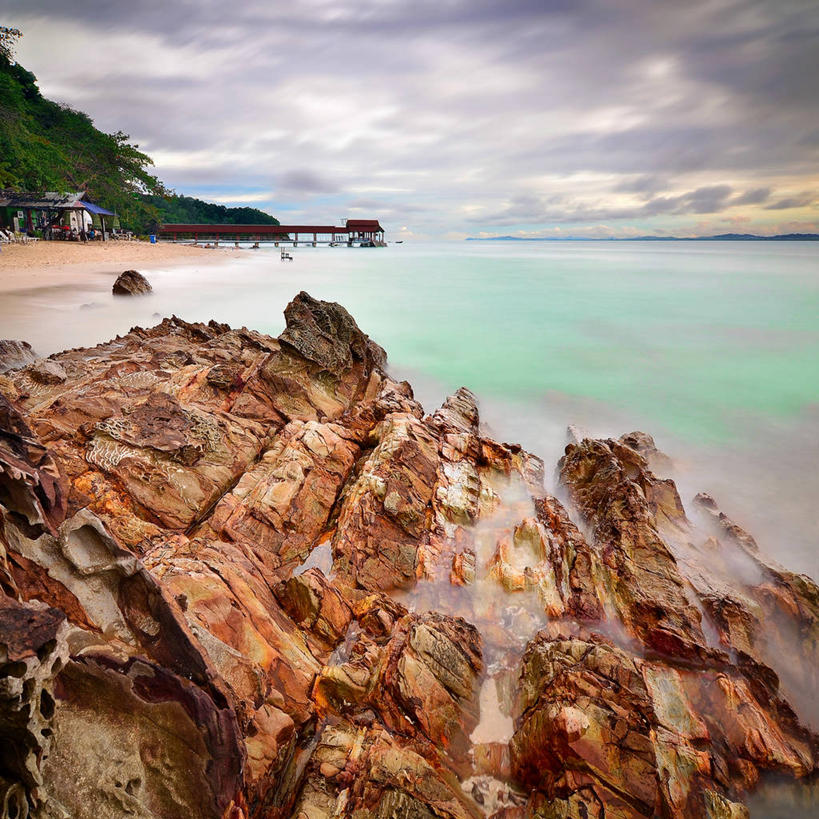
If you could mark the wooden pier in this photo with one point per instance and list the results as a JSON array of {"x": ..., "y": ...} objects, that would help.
[{"x": 361, "y": 232}]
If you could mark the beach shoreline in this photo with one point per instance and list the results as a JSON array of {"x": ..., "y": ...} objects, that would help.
[{"x": 47, "y": 264}]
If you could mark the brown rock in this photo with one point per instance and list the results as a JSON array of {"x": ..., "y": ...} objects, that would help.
[
  {"x": 325, "y": 333},
  {"x": 377, "y": 615},
  {"x": 131, "y": 283},
  {"x": 178, "y": 728},
  {"x": 30, "y": 480},
  {"x": 383, "y": 516},
  {"x": 33, "y": 651},
  {"x": 282, "y": 504},
  {"x": 316, "y": 605},
  {"x": 430, "y": 678},
  {"x": 584, "y": 717},
  {"x": 46, "y": 371},
  {"x": 705, "y": 502},
  {"x": 613, "y": 488},
  {"x": 643, "y": 443}
]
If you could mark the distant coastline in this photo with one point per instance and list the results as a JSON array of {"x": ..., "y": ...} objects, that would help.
[{"x": 722, "y": 237}]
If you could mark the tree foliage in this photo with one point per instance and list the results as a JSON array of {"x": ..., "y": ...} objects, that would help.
[{"x": 188, "y": 210}]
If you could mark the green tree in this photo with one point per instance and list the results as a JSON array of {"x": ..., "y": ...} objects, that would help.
[{"x": 188, "y": 210}]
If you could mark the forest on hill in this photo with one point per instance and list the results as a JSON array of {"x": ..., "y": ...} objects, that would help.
[
  {"x": 48, "y": 146},
  {"x": 189, "y": 210}
]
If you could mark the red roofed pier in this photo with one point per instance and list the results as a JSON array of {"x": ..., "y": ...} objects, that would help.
[{"x": 362, "y": 232}]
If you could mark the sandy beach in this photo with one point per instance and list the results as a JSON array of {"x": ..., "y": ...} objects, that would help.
[{"x": 46, "y": 264}]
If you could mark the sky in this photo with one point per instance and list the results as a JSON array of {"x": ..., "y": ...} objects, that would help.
[{"x": 455, "y": 118}]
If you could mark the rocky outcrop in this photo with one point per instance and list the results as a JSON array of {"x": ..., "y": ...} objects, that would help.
[
  {"x": 31, "y": 485},
  {"x": 131, "y": 283},
  {"x": 243, "y": 576},
  {"x": 325, "y": 333},
  {"x": 603, "y": 728},
  {"x": 15, "y": 354},
  {"x": 612, "y": 487}
]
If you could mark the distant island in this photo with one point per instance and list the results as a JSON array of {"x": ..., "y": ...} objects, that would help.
[{"x": 722, "y": 237}]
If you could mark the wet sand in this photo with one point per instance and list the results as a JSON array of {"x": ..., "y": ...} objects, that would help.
[{"x": 48, "y": 264}]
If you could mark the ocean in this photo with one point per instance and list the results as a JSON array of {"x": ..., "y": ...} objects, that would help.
[{"x": 712, "y": 347}]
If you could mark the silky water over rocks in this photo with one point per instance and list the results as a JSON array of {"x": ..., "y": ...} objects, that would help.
[
  {"x": 710, "y": 346},
  {"x": 245, "y": 576}
]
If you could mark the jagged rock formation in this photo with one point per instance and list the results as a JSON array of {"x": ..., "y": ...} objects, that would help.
[{"x": 248, "y": 577}]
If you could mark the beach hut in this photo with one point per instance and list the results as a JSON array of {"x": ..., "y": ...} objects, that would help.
[{"x": 52, "y": 214}]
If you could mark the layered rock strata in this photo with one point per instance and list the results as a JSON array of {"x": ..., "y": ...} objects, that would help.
[{"x": 243, "y": 576}]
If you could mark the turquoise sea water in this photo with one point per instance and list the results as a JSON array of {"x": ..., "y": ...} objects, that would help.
[
  {"x": 701, "y": 337},
  {"x": 711, "y": 346}
]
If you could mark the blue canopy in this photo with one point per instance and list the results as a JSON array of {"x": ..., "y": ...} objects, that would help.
[{"x": 92, "y": 208}]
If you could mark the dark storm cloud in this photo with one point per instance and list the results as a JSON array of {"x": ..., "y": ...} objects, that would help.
[{"x": 525, "y": 112}]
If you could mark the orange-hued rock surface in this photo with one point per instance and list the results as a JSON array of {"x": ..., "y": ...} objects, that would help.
[{"x": 243, "y": 576}]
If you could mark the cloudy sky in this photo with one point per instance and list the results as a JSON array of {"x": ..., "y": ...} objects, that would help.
[{"x": 453, "y": 118}]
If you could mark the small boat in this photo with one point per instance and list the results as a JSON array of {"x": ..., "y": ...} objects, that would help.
[{"x": 399, "y": 241}]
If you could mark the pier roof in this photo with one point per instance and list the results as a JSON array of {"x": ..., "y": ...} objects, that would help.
[{"x": 364, "y": 224}]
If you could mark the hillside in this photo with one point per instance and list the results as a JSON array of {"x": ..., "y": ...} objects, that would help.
[
  {"x": 47, "y": 146},
  {"x": 188, "y": 210}
]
